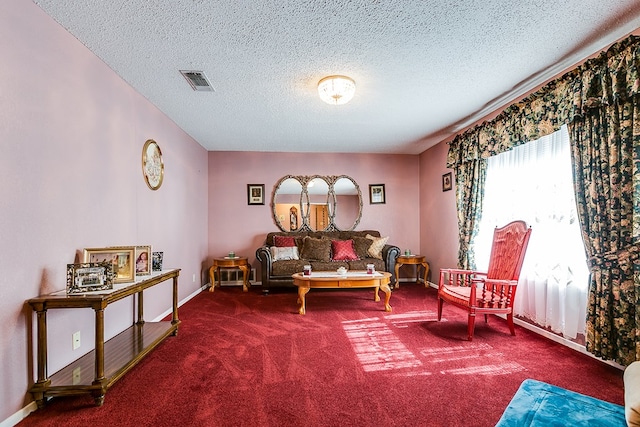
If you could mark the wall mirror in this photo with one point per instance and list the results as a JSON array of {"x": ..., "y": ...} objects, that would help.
[{"x": 316, "y": 203}]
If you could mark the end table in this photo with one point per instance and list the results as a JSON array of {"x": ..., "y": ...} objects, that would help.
[
  {"x": 236, "y": 262},
  {"x": 417, "y": 260}
]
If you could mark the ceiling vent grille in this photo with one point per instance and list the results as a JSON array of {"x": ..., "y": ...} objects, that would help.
[{"x": 197, "y": 80}]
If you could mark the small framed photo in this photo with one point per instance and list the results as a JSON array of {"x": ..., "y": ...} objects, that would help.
[
  {"x": 447, "y": 182},
  {"x": 89, "y": 276},
  {"x": 376, "y": 194},
  {"x": 143, "y": 260},
  {"x": 255, "y": 194},
  {"x": 121, "y": 257},
  {"x": 156, "y": 261}
]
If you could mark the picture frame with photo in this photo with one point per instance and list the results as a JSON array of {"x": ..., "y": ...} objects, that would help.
[
  {"x": 447, "y": 181},
  {"x": 376, "y": 194},
  {"x": 143, "y": 260},
  {"x": 255, "y": 194},
  {"x": 89, "y": 277},
  {"x": 121, "y": 257},
  {"x": 156, "y": 261}
]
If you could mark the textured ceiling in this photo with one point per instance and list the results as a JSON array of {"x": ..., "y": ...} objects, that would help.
[{"x": 423, "y": 69}]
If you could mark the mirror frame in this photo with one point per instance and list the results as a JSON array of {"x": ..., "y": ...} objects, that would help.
[{"x": 305, "y": 202}]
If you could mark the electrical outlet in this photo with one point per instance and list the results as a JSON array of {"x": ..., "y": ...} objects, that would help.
[
  {"x": 77, "y": 375},
  {"x": 194, "y": 277},
  {"x": 76, "y": 340}
]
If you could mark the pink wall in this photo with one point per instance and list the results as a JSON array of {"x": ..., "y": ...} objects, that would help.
[
  {"x": 438, "y": 217},
  {"x": 70, "y": 172},
  {"x": 234, "y": 225}
]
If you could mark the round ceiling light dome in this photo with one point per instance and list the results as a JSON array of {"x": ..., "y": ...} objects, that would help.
[{"x": 336, "y": 90}]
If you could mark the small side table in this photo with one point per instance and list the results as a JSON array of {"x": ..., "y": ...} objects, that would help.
[
  {"x": 236, "y": 262},
  {"x": 417, "y": 260}
]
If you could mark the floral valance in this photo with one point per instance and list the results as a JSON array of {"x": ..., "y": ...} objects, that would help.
[{"x": 604, "y": 80}]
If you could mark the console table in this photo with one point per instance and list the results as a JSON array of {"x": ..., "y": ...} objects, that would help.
[{"x": 99, "y": 369}]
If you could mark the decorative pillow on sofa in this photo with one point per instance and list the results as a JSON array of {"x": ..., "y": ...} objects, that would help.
[
  {"x": 361, "y": 245},
  {"x": 284, "y": 241},
  {"x": 316, "y": 249},
  {"x": 375, "y": 250},
  {"x": 284, "y": 253},
  {"x": 343, "y": 250}
]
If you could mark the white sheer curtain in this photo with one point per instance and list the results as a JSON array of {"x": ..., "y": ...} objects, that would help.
[{"x": 533, "y": 182}]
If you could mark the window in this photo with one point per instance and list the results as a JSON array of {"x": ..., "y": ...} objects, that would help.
[{"x": 533, "y": 182}]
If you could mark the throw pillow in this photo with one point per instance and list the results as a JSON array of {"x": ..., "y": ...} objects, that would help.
[
  {"x": 361, "y": 245},
  {"x": 375, "y": 250},
  {"x": 343, "y": 250},
  {"x": 316, "y": 249},
  {"x": 284, "y": 253},
  {"x": 283, "y": 241}
]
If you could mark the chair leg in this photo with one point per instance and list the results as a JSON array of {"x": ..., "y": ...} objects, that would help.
[
  {"x": 510, "y": 323},
  {"x": 440, "y": 302},
  {"x": 471, "y": 325}
]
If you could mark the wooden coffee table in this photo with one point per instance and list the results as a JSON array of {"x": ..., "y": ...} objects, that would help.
[{"x": 353, "y": 279}]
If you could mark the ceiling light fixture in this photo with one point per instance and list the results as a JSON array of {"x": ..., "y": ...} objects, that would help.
[{"x": 336, "y": 90}]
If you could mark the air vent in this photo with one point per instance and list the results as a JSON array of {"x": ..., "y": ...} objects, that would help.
[{"x": 197, "y": 80}]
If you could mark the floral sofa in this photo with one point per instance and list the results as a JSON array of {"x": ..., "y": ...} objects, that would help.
[{"x": 286, "y": 253}]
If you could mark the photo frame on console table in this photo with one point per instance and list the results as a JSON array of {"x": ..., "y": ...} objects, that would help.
[
  {"x": 255, "y": 194},
  {"x": 376, "y": 194},
  {"x": 121, "y": 257},
  {"x": 143, "y": 260},
  {"x": 89, "y": 276},
  {"x": 447, "y": 182},
  {"x": 156, "y": 261}
]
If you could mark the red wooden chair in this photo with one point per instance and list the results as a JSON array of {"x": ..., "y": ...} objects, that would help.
[{"x": 492, "y": 292}]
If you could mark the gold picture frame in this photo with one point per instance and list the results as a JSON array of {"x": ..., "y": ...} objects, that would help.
[
  {"x": 121, "y": 257},
  {"x": 142, "y": 258},
  {"x": 89, "y": 277},
  {"x": 152, "y": 164}
]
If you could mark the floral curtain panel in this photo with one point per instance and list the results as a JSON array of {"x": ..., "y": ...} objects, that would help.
[{"x": 600, "y": 101}]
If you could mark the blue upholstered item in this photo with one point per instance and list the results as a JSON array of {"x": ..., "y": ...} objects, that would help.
[{"x": 541, "y": 404}]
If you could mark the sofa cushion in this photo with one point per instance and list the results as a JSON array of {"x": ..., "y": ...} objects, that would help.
[
  {"x": 375, "y": 250},
  {"x": 284, "y": 253},
  {"x": 632, "y": 394},
  {"x": 343, "y": 250},
  {"x": 284, "y": 241},
  {"x": 287, "y": 267},
  {"x": 316, "y": 249},
  {"x": 361, "y": 245}
]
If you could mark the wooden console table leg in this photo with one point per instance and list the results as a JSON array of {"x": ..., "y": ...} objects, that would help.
[
  {"x": 43, "y": 382},
  {"x": 387, "y": 290},
  {"x": 99, "y": 379},
  {"x": 301, "y": 299},
  {"x": 140, "y": 308},
  {"x": 174, "y": 316}
]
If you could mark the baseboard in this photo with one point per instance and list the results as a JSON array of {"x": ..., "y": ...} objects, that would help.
[{"x": 19, "y": 416}]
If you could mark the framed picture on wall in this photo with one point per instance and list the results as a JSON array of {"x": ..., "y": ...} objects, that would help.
[
  {"x": 376, "y": 194},
  {"x": 447, "y": 182},
  {"x": 255, "y": 194}
]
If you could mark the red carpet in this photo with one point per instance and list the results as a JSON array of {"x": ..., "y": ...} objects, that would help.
[{"x": 244, "y": 359}]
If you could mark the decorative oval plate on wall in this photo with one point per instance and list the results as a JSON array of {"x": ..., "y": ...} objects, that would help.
[{"x": 152, "y": 165}]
